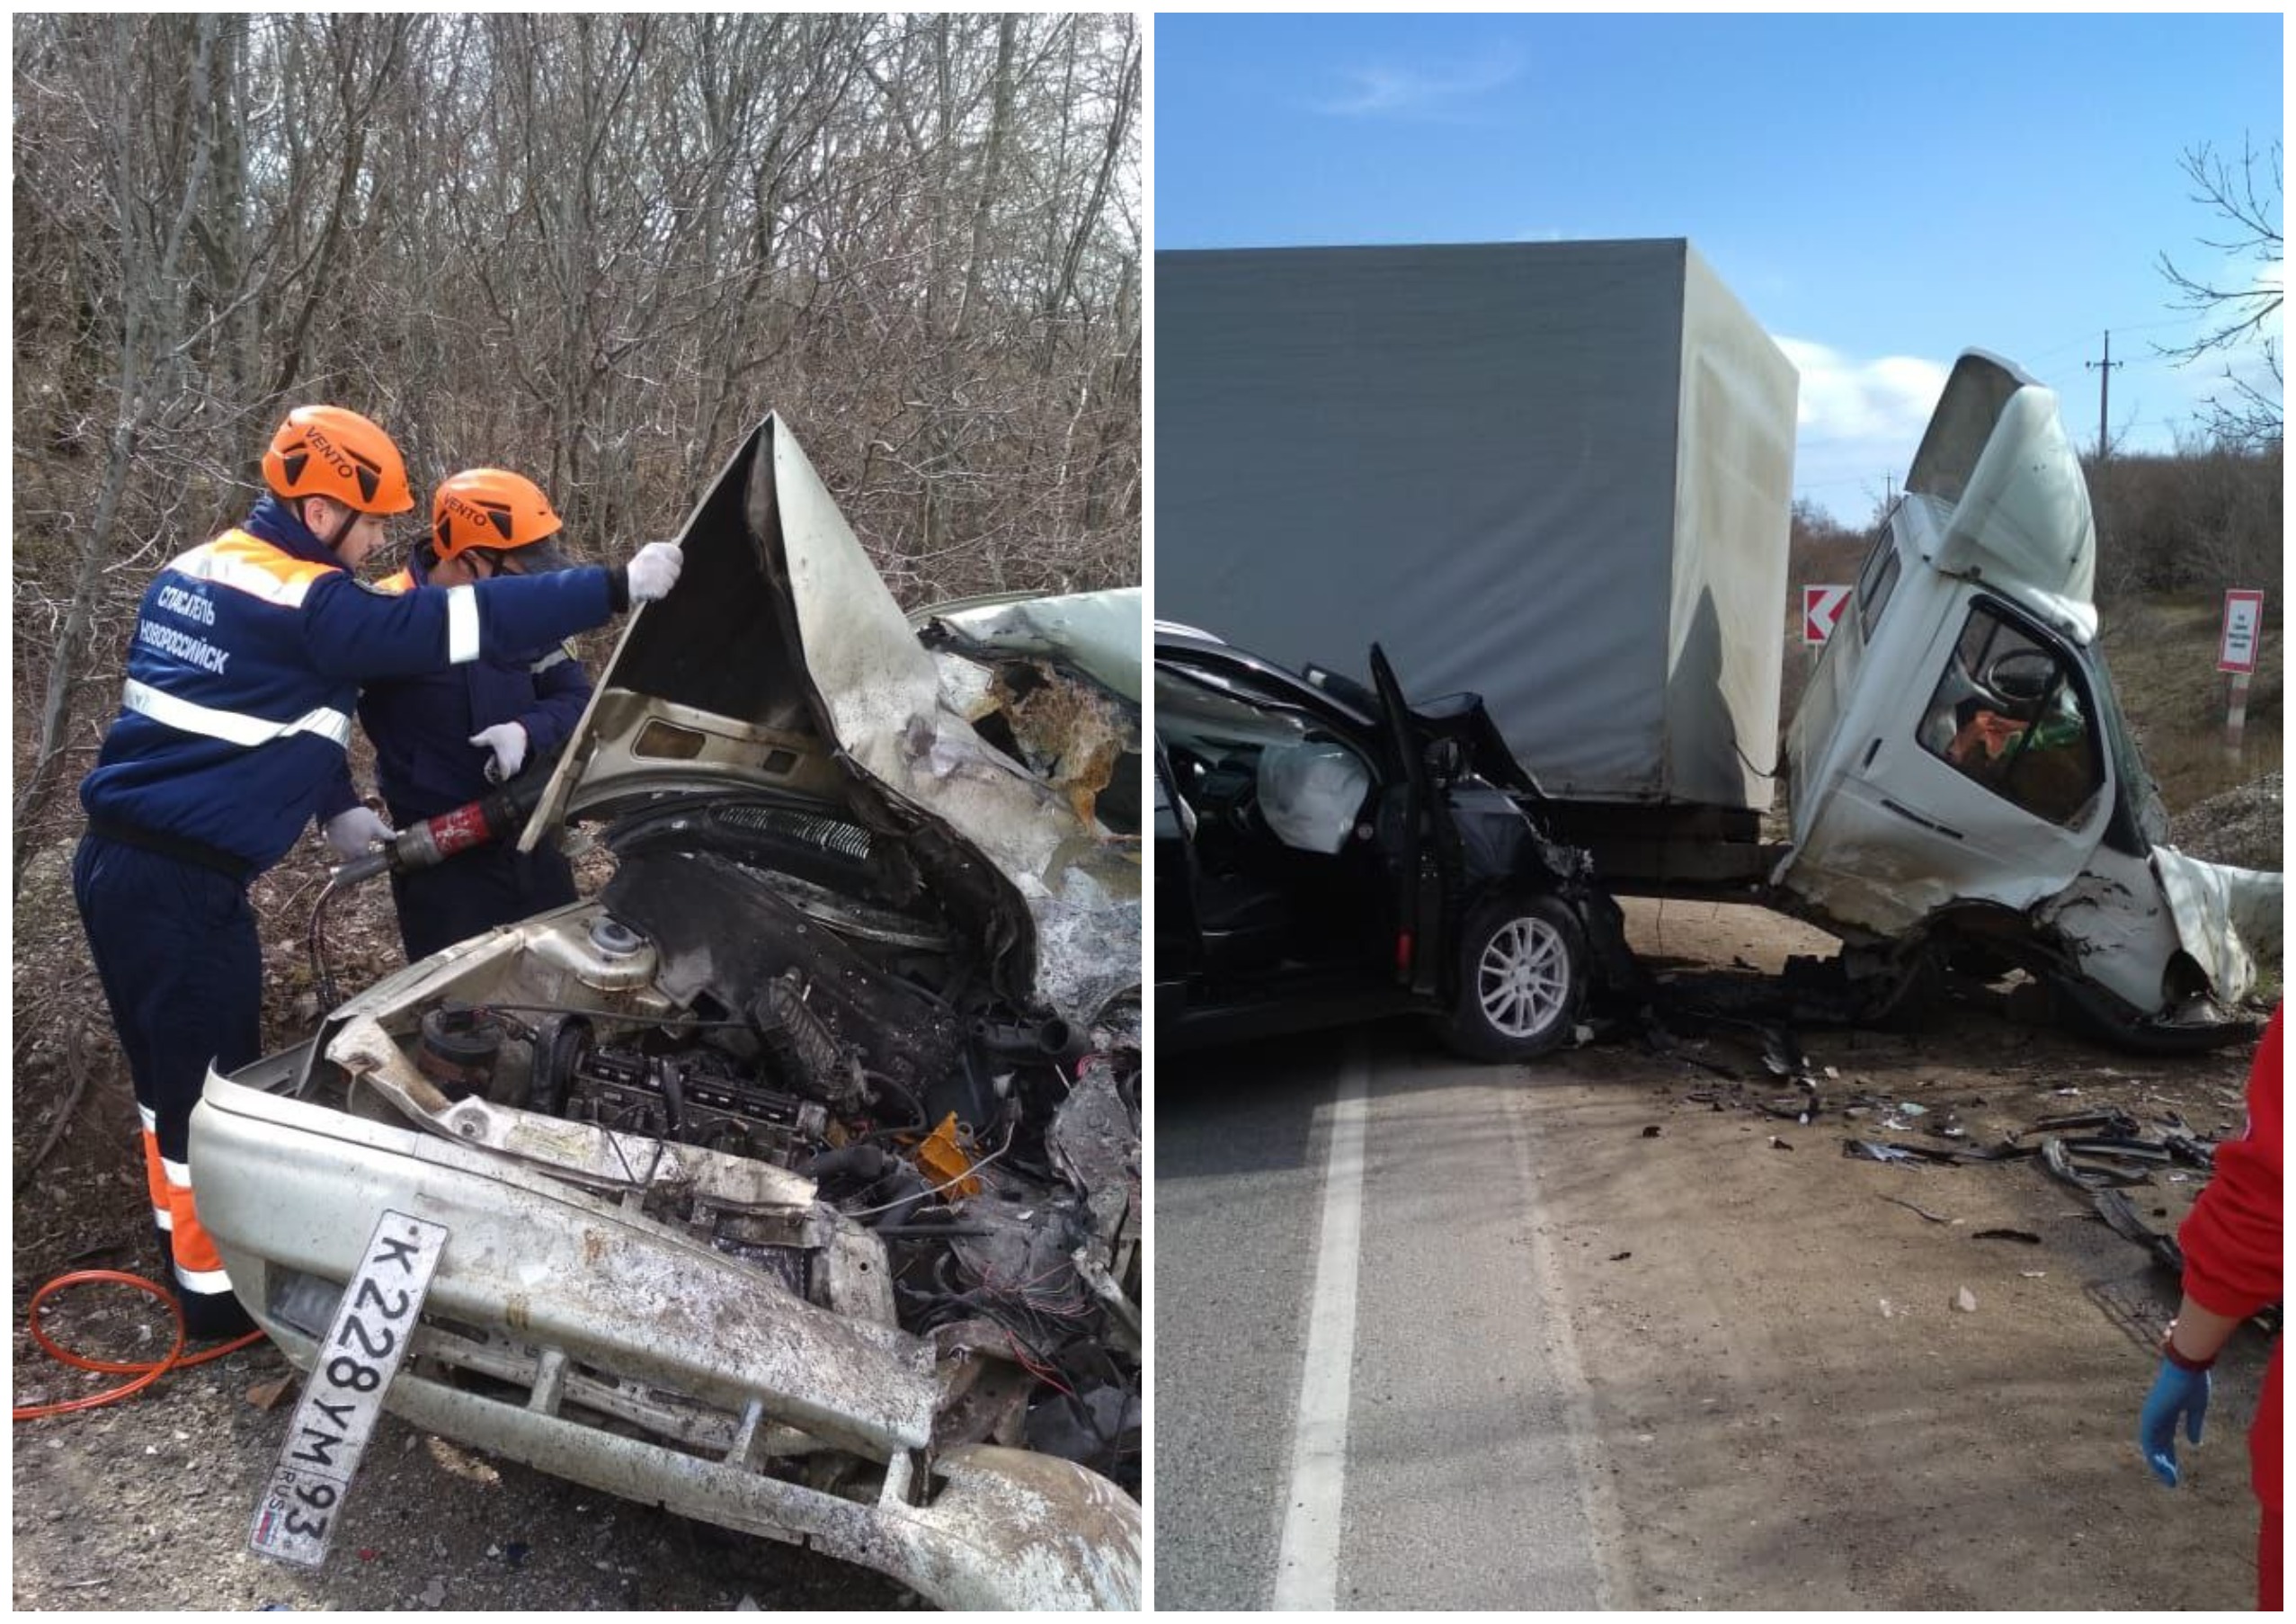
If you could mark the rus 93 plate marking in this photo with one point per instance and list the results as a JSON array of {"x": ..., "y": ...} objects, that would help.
[{"x": 362, "y": 1352}]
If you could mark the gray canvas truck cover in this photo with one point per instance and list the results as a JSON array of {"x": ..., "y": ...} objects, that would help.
[{"x": 1557, "y": 474}]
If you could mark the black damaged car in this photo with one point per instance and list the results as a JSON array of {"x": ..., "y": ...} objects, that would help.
[{"x": 1328, "y": 854}]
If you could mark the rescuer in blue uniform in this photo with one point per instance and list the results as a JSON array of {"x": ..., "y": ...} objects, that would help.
[
  {"x": 443, "y": 739},
  {"x": 247, "y": 654}
]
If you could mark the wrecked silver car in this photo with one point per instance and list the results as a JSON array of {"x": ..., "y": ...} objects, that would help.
[
  {"x": 1965, "y": 785},
  {"x": 792, "y": 1183}
]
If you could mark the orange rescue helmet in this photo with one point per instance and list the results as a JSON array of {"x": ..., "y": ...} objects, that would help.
[
  {"x": 498, "y": 511},
  {"x": 324, "y": 451}
]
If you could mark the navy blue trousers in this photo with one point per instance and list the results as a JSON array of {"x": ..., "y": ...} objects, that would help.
[{"x": 174, "y": 947}]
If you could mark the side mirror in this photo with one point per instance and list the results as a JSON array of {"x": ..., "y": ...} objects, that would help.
[{"x": 1446, "y": 762}]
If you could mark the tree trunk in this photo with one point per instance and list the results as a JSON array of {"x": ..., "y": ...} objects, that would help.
[{"x": 146, "y": 287}]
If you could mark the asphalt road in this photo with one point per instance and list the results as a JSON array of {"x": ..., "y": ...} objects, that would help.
[{"x": 1363, "y": 1399}]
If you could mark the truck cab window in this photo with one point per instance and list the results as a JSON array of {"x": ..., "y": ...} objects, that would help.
[
  {"x": 1875, "y": 580},
  {"x": 2007, "y": 714}
]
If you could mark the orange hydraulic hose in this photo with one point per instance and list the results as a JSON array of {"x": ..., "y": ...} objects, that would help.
[{"x": 145, "y": 1372}]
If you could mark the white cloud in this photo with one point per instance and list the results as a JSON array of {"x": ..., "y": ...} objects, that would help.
[
  {"x": 1860, "y": 421},
  {"x": 1844, "y": 398},
  {"x": 1385, "y": 90}
]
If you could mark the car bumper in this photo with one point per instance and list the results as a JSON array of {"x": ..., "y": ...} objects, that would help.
[{"x": 585, "y": 1313}]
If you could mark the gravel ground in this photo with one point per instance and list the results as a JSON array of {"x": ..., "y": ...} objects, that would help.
[{"x": 2244, "y": 826}]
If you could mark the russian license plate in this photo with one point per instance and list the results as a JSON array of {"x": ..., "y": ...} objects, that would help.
[{"x": 361, "y": 1354}]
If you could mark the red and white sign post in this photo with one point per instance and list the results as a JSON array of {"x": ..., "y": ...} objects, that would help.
[
  {"x": 2243, "y": 619},
  {"x": 1821, "y": 612}
]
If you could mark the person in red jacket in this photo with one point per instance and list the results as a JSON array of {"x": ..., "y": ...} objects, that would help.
[{"x": 2232, "y": 1244}]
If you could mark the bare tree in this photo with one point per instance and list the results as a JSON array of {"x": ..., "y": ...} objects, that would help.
[
  {"x": 593, "y": 248},
  {"x": 151, "y": 229},
  {"x": 2241, "y": 315}
]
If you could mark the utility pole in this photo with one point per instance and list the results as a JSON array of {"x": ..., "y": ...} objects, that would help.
[{"x": 2104, "y": 370}]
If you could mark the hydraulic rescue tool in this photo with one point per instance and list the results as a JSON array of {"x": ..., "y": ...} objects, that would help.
[
  {"x": 422, "y": 845},
  {"x": 434, "y": 840}
]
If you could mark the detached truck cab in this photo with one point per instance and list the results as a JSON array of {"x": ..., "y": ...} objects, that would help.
[{"x": 1963, "y": 781}]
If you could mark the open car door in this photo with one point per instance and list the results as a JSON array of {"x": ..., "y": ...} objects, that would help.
[
  {"x": 1409, "y": 820},
  {"x": 1178, "y": 946}
]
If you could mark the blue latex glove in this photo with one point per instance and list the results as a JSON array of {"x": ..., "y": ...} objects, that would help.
[{"x": 2176, "y": 1394}]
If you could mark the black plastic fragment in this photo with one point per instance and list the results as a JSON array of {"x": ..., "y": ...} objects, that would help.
[
  {"x": 2184, "y": 1147},
  {"x": 2118, "y": 1123},
  {"x": 2060, "y": 1165},
  {"x": 2121, "y": 1218},
  {"x": 2119, "y": 1147}
]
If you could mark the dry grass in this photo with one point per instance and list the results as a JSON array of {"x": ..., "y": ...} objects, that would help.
[{"x": 2163, "y": 653}]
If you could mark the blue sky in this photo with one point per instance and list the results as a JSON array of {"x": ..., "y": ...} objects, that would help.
[{"x": 1881, "y": 191}]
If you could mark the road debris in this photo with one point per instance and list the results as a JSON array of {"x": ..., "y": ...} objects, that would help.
[
  {"x": 1924, "y": 1211},
  {"x": 1965, "y": 1300},
  {"x": 2121, "y": 1218},
  {"x": 1898, "y": 1154},
  {"x": 2025, "y": 1237},
  {"x": 2057, "y": 1157},
  {"x": 2118, "y": 1123}
]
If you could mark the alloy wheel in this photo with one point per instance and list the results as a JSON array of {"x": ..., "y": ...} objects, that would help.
[{"x": 1522, "y": 977}]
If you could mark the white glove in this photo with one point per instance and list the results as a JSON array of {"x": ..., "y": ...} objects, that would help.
[
  {"x": 654, "y": 571},
  {"x": 351, "y": 833},
  {"x": 507, "y": 740}
]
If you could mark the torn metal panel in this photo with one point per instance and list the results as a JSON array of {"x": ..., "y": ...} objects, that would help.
[
  {"x": 2114, "y": 927},
  {"x": 2224, "y": 917},
  {"x": 1068, "y": 733},
  {"x": 1096, "y": 631},
  {"x": 1095, "y": 1142},
  {"x": 883, "y": 697}
]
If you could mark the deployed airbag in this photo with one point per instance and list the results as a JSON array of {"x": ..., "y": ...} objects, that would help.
[{"x": 1310, "y": 794}]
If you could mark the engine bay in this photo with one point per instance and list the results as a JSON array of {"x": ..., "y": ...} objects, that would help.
[{"x": 947, "y": 1165}]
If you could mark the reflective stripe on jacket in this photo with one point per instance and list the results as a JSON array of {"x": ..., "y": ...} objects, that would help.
[{"x": 244, "y": 671}]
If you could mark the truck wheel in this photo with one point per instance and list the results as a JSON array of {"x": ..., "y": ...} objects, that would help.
[{"x": 1522, "y": 974}]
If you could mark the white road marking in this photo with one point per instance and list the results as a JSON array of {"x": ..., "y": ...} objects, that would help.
[{"x": 1307, "y": 1562}]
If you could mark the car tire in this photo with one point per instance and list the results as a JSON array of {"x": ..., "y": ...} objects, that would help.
[{"x": 1522, "y": 976}]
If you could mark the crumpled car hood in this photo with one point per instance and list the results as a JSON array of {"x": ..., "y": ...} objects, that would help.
[{"x": 781, "y": 662}]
